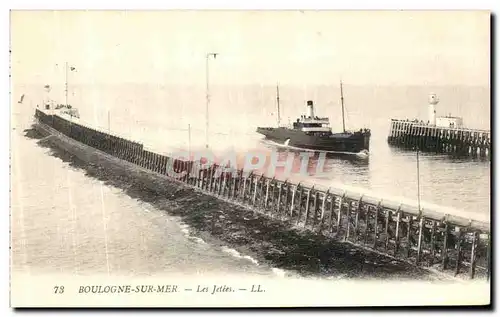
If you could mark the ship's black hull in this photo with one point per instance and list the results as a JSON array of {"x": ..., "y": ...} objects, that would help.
[{"x": 340, "y": 142}]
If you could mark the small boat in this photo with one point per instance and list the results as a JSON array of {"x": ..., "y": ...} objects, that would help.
[
  {"x": 314, "y": 133},
  {"x": 21, "y": 99}
]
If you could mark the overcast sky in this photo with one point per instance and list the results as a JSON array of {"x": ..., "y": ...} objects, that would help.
[{"x": 292, "y": 47}]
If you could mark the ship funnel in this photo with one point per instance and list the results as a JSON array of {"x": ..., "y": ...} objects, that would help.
[
  {"x": 310, "y": 109},
  {"x": 433, "y": 101}
]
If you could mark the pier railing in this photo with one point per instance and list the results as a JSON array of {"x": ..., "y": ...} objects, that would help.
[
  {"x": 461, "y": 141},
  {"x": 427, "y": 238}
]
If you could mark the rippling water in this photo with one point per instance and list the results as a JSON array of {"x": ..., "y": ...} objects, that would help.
[
  {"x": 159, "y": 116},
  {"x": 44, "y": 221},
  {"x": 65, "y": 221}
]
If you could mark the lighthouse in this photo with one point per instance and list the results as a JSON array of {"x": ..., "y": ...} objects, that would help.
[{"x": 433, "y": 101}]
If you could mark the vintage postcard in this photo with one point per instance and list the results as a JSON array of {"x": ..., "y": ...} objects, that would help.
[{"x": 250, "y": 158}]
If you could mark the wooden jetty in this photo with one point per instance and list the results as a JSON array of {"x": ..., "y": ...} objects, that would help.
[
  {"x": 440, "y": 135},
  {"x": 460, "y": 141},
  {"x": 427, "y": 238}
]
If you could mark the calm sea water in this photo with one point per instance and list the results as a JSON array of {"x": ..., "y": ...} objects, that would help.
[
  {"x": 63, "y": 221},
  {"x": 160, "y": 116}
]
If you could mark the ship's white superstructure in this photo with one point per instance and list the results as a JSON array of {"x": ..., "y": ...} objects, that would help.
[{"x": 311, "y": 123}]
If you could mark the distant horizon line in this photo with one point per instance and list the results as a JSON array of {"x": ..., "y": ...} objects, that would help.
[{"x": 202, "y": 85}]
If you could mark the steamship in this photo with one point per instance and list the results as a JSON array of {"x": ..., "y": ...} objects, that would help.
[{"x": 314, "y": 133}]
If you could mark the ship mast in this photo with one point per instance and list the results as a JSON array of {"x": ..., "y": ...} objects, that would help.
[
  {"x": 66, "y": 83},
  {"x": 278, "y": 102},
  {"x": 342, "y": 102}
]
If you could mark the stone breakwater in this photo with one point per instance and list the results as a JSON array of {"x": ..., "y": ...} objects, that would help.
[{"x": 424, "y": 238}]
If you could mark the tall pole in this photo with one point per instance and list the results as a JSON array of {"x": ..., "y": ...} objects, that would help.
[
  {"x": 418, "y": 181},
  {"x": 66, "y": 82},
  {"x": 342, "y": 102},
  {"x": 207, "y": 103},
  {"x": 189, "y": 140},
  {"x": 278, "y": 102},
  {"x": 208, "y": 95},
  {"x": 109, "y": 123}
]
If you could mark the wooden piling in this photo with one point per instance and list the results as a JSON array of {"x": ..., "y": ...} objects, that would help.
[
  {"x": 223, "y": 185},
  {"x": 396, "y": 238},
  {"x": 459, "y": 251},
  {"x": 356, "y": 221},
  {"x": 299, "y": 207},
  {"x": 488, "y": 258},
  {"x": 332, "y": 213},
  {"x": 247, "y": 179},
  {"x": 375, "y": 228},
  {"x": 433, "y": 243},
  {"x": 366, "y": 222},
  {"x": 272, "y": 202},
  {"x": 255, "y": 192},
  {"x": 472, "y": 268},
  {"x": 458, "y": 141},
  {"x": 348, "y": 221},
  {"x": 421, "y": 227},
  {"x": 444, "y": 250},
  {"x": 267, "y": 192},
  {"x": 408, "y": 235},
  {"x": 292, "y": 204},
  {"x": 286, "y": 191},
  {"x": 233, "y": 180},
  {"x": 323, "y": 205},
  {"x": 278, "y": 203},
  {"x": 307, "y": 205},
  {"x": 339, "y": 214}
]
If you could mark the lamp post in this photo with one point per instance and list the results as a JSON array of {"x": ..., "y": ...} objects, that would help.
[
  {"x": 189, "y": 140},
  {"x": 207, "y": 57},
  {"x": 418, "y": 180}
]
